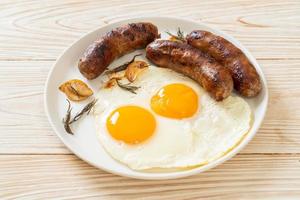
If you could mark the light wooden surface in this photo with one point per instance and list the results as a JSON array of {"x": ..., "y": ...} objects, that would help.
[{"x": 34, "y": 164}]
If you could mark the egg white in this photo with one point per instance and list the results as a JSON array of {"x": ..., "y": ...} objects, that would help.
[{"x": 212, "y": 131}]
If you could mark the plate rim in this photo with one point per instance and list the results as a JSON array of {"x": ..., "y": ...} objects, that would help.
[{"x": 164, "y": 176}]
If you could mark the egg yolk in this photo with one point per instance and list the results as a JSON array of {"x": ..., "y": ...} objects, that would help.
[
  {"x": 131, "y": 124},
  {"x": 175, "y": 101}
]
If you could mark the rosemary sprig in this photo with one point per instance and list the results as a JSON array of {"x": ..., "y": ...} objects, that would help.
[
  {"x": 179, "y": 36},
  {"x": 123, "y": 66},
  {"x": 86, "y": 110},
  {"x": 127, "y": 87},
  {"x": 180, "y": 33},
  {"x": 68, "y": 120}
]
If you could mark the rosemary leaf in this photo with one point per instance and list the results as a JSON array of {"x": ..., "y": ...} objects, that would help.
[
  {"x": 179, "y": 36},
  {"x": 170, "y": 34},
  {"x": 68, "y": 120},
  {"x": 180, "y": 33},
  {"x": 86, "y": 109},
  {"x": 123, "y": 66},
  {"x": 128, "y": 87}
]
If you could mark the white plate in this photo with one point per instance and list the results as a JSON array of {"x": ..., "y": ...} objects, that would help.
[{"x": 85, "y": 143}]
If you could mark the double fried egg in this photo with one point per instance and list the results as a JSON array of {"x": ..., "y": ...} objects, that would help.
[{"x": 171, "y": 122}]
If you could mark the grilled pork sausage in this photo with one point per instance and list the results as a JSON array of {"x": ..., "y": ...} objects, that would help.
[
  {"x": 245, "y": 77},
  {"x": 193, "y": 63},
  {"x": 114, "y": 44}
]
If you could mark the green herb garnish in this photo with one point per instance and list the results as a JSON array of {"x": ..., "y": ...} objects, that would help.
[
  {"x": 127, "y": 87},
  {"x": 68, "y": 120},
  {"x": 179, "y": 36},
  {"x": 123, "y": 66}
]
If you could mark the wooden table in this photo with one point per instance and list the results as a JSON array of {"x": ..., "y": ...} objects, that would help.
[{"x": 34, "y": 164}]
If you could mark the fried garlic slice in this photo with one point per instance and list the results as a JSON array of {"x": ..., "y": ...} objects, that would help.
[
  {"x": 76, "y": 90},
  {"x": 134, "y": 69}
]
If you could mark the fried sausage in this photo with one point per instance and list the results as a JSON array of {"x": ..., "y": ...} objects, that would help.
[
  {"x": 114, "y": 44},
  {"x": 193, "y": 63},
  {"x": 245, "y": 77}
]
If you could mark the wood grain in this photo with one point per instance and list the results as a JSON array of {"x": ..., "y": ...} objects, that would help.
[
  {"x": 65, "y": 176},
  {"x": 34, "y": 164},
  {"x": 38, "y": 30}
]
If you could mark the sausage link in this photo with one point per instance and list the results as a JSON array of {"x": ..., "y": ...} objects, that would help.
[
  {"x": 193, "y": 63},
  {"x": 245, "y": 77},
  {"x": 114, "y": 44}
]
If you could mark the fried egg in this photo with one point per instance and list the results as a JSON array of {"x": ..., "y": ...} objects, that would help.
[{"x": 171, "y": 122}]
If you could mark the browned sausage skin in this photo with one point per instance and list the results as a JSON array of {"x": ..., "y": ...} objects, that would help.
[
  {"x": 193, "y": 63},
  {"x": 245, "y": 77},
  {"x": 114, "y": 44}
]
